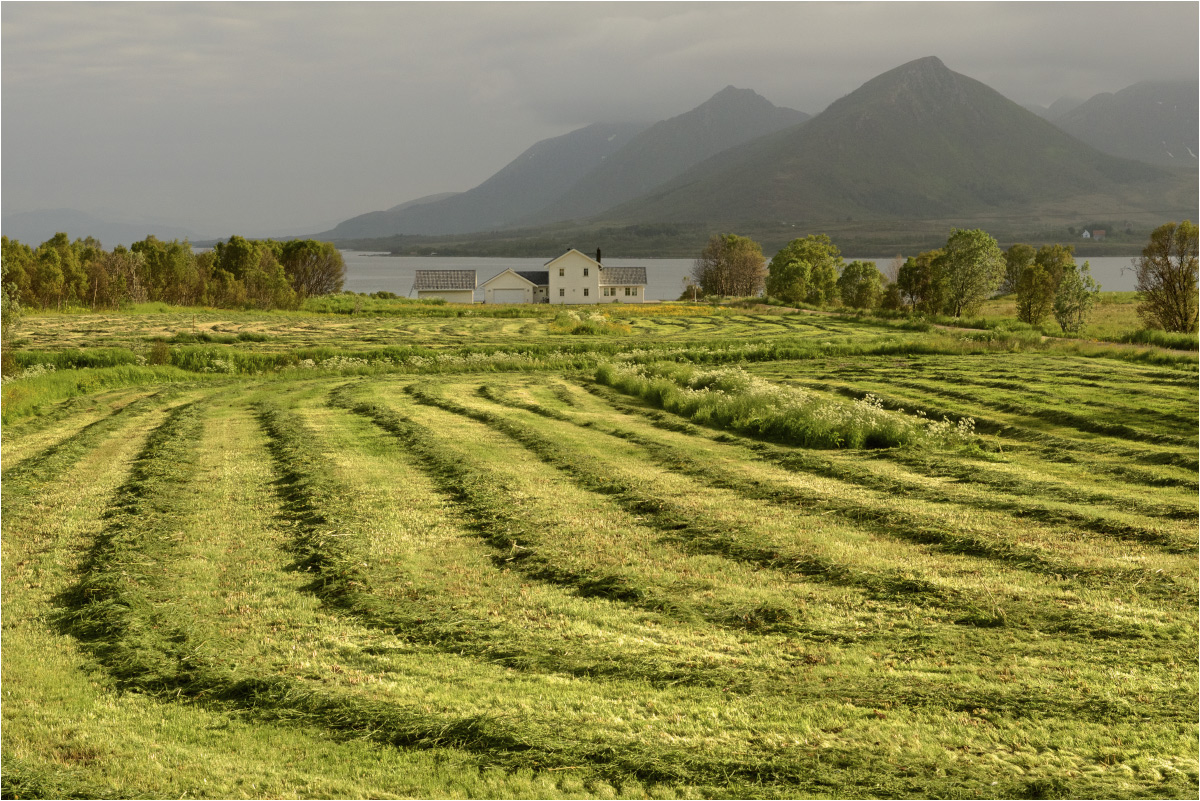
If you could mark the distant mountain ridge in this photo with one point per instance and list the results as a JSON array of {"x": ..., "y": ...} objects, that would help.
[
  {"x": 522, "y": 187},
  {"x": 919, "y": 141},
  {"x": 584, "y": 172},
  {"x": 1153, "y": 121},
  {"x": 729, "y": 118}
]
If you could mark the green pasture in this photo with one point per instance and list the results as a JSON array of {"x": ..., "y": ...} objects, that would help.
[{"x": 399, "y": 552}]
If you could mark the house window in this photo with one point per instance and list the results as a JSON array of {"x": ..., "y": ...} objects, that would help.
[
  {"x": 561, "y": 291},
  {"x": 562, "y": 271},
  {"x": 585, "y": 272},
  {"x": 635, "y": 291},
  {"x": 626, "y": 291},
  {"x": 585, "y": 291}
]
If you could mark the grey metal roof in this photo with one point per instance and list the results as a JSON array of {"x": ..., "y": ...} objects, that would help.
[
  {"x": 444, "y": 279},
  {"x": 622, "y": 276},
  {"x": 537, "y": 277}
]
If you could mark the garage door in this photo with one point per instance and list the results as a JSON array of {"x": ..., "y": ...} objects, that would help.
[{"x": 508, "y": 296}]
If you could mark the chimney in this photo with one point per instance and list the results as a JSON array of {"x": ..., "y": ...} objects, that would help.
[{"x": 598, "y": 255}]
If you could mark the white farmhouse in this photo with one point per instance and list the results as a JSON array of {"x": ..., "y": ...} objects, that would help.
[
  {"x": 576, "y": 278},
  {"x": 452, "y": 286}
]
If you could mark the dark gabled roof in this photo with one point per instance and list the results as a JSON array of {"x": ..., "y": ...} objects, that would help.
[
  {"x": 444, "y": 279},
  {"x": 536, "y": 277},
  {"x": 622, "y": 276}
]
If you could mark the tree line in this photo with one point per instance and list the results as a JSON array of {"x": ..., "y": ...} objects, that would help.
[
  {"x": 956, "y": 279},
  {"x": 238, "y": 273}
]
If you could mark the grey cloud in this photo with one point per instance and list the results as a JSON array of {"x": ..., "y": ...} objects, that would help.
[{"x": 269, "y": 115}]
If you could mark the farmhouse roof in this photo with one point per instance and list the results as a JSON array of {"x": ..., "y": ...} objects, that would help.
[
  {"x": 569, "y": 252},
  {"x": 536, "y": 277},
  {"x": 527, "y": 275},
  {"x": 623, "y": 276},
  {"x": 444, "y": 279}
]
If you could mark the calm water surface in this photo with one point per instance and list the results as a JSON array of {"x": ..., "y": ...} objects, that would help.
[{"x": 368, "y": 272}]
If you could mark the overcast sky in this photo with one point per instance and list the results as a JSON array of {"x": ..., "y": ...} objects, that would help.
[{"x": 288, "y": 117}]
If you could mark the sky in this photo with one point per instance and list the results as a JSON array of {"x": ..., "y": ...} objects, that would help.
[{"x": 277, "y": 118}]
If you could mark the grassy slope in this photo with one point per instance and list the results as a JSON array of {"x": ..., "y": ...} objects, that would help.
[{"x": 436, "y": 579}]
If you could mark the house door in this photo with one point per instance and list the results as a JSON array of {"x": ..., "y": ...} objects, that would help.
[{"x": 508, "y": 296}]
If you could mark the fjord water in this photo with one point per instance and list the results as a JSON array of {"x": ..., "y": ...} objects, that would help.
[{"x": 379, "y": 272}]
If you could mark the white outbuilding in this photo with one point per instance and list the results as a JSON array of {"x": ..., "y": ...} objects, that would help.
[{"x": 452, "y": 286}]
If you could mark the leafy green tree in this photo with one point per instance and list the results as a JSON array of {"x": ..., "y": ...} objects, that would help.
[
  {"x": 805, "y": 271},
  {"x": 891, "y": 298},
  {"x": 972, "y": 267},
  {"x": 730, "y": 265},
  {"x": 1074, "y": 298},
  {"x": 267, "y": 284},
  {"x": 47, "y": 281},
  {"x": 168, "y": 270},
  {"x": 860, "y": 285},
  {"x": 10, "y": 313},
  {"x": 1166, "y": 278},
  {"x": 238, "y": 256},
  {"x": 920, "y": 282},
  {"x": 313, "y": 268},
  {"x": 1016, "y": 259},
  {"x": 1035, "y": 293},
  {"x": 16, "y": 262}
]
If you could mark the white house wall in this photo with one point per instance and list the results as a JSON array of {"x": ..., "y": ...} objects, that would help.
[
  {"x": 508, "y": 280},
  {"x": 622, "y": 294},
  {"x": 574, "y": 279}
]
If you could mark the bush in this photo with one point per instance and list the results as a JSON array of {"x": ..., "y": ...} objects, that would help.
[{"x": 160, "y": 353}]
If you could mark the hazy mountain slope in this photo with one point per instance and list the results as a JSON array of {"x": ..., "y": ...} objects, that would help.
[
  {"x": 1056, "y": 109},
  {"x": 668, "y": 148},
  {"x": 917, "y": 141},
  {"x": 35, "y": 227},
  {"x": 525, "y": 185},
  {"x": 369, "y": 224},
  {"x": 1153, "y": 121}
]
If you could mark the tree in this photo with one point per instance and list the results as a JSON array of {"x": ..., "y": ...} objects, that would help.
[
  {"x": 1074, "y": 298},
  {"x": 972, "y": 267},
  {"x": 805, "y": 271},
  {"x": 860, "y": 285},
  {"x": 314, "y": 268},
  {"x": 1016, "y": 259},
  {"x": 920, "y": 282},
  {"x": 730, "y": 265},
  {"x": 1166, "y": 278},
  {"x": 1035, "y": 293}
]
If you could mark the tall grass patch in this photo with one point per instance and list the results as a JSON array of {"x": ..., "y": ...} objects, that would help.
[{"x": 731, "y": 398}]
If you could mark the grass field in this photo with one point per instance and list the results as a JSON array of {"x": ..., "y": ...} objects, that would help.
[{"x": 404, "y": 554}]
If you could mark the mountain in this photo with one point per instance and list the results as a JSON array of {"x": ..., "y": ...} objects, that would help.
[
  {"x": 919, "y": 141},
  {"x": 526, "y": 184},
  {"x": 1153, "y": 121},
  {"x": 369, "y": 224},
  {"x": 668, "y": 148},
  {"x": 35, "y": 227},
  {"x": 1056, "y": 109}
]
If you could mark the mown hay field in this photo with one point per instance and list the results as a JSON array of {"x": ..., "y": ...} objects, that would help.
[{"x": 362, "y": 555}]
